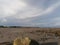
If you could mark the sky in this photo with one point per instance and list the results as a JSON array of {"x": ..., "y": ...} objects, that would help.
[{"x": 35, "y": 13}]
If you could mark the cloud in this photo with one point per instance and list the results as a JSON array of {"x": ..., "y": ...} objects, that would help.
[
  {"x": 52, "y": 8},
  {"x": 22, "y": 12},
  {"x": 56, "y": 18},
  {"x": 56, "y": 21},
  {"x": 9, "y": 7},
  {"x": 28, "y": 13},
  {"x": 4, "y": 21},
  {"x": 33, "y": 11}
]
